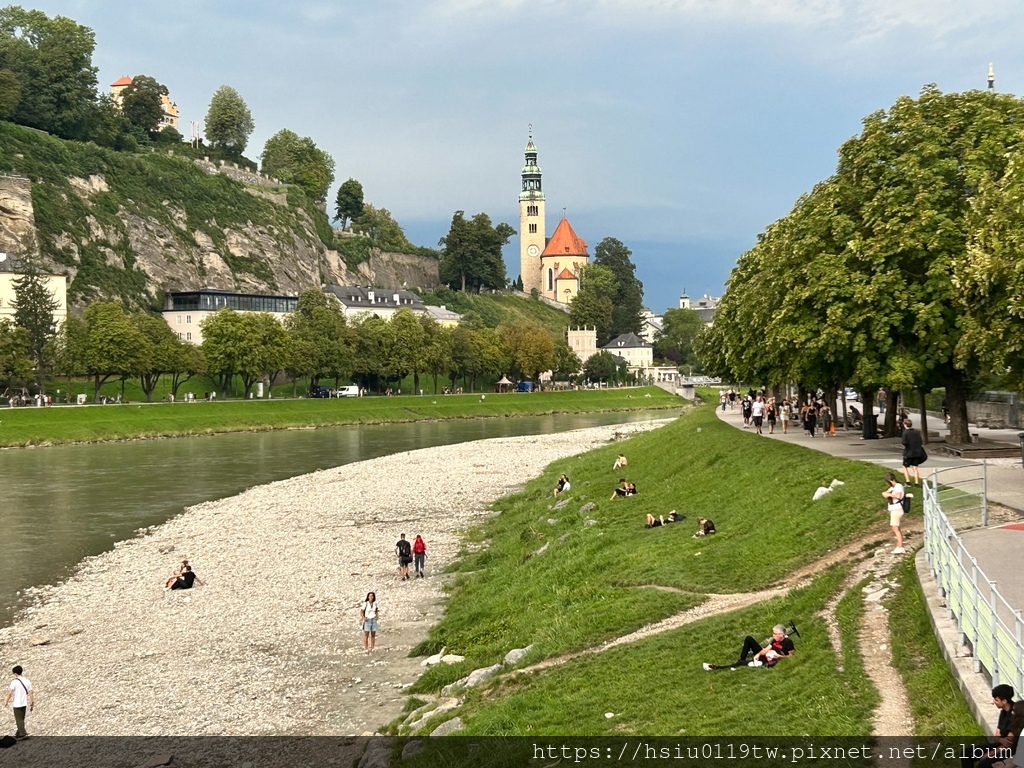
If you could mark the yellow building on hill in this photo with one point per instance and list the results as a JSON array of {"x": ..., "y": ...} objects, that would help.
[{"x": 170, "y": 109}]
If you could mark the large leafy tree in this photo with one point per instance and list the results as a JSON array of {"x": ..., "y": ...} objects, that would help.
[
  {"x": 600, "y": 367},
  {"x": 142, "y": 103},
  {"x": 628, "y": 302},
  {"x": 320, "y": 342},
  {"x": 250, "y": 345},
  {"x": 10, "y": 93},
  {"x": 403, "y": 347},
  {"x": 113, "y": 344},
  {"x": 163, "y": 351},
  {"x": 528, "y": 347},
  {"x": 15, "y": 363},
  {"x": 679, "y": 330},
  {"x": 50, "y": 60},
  {"x": 34, "y": 308},
  {"x": 297, "y": 160},
  {"x": 228, "y": 121},
  {"x": 593, "y": 305},
  {"x": 381, "y": 229},
  {"x": 471, "y": 256},
  {"x": 348, "y": 203}
]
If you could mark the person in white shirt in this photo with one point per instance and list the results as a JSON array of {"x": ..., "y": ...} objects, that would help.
[
  {"x": 757, "y": 411},
  {"x": 368, "y": 616},
  {"x": 21, "y": 698},
  {"x": 894, "y": 500}
]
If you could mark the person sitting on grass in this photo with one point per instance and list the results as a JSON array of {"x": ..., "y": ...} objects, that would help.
[
  {"x": 707, "y": 528},
  {"x": 778, "y": 647},
  {"x": 620, "y": 462},
  {"x": 622, "y": 490},
  {"x": 657, "y": 522},
  {"x": 563, "y": 485}
]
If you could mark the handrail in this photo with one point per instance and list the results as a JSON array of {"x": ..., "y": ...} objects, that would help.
[{"x": 993, "y": 628}]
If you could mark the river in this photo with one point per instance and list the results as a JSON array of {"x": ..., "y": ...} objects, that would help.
[{"x": 65, "y": 503}]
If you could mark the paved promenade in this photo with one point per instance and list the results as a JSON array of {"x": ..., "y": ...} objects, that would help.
[{"x": 997, "y": 548}]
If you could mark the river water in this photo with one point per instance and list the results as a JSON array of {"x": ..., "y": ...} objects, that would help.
[{"x": 65, "y": 503}]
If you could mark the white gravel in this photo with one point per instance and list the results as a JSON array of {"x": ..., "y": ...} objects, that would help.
[{"x": 272, "y": 643}]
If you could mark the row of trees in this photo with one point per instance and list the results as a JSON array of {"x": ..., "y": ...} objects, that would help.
[
  {"x": 610, "y": 297},
  {"x": 901, "y": 270},
  {"x": 315, "y": 343}
]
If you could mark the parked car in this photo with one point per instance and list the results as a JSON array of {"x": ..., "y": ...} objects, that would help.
[
  {"x": 351, "y": 391},
  {"x": 319, "y": 391},
  {"x": 524, "y": 386}
]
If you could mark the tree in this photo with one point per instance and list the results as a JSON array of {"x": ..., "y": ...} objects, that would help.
[
  {"x": 52, "y": 62},
  {"x": 15, "y": 362},
  {"x": 472, "y": 253},
  {"x": 320, "y": 343},
  {"x": 113, "y": 344},
  {"x": 594, "y": 303},
  {"x": 142, "y": 103},
  {"x": 349, "y": 202},
  {"x": 297, "y": 160},
  {"x": 600, "y": 367},
  {"x": 567, "y": 362},
  {"x": 383, "y": 232},
  {"x": 403, "y": 347},
  {"x": 162, "y": 354},
  {"x": 628, "y": 302},
  {"x": 251, "y": 345},
  {"x": 228, "y": 121},
  {"x": 34, "y": 308},
  {"x": 528, "y": 347},
  {"x": 679, "y": 331},
  {"x": 10, "y": 93},
  {"x": 437, "y": 351}
]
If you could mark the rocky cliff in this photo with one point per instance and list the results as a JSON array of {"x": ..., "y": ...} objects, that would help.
[{"x": 134, "y": 226}]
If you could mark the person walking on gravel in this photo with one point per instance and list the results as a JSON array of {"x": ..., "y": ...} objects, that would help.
[
  {"x": 21, "y": 697},
  {"x": 368, "y": 616},
  {"x": 404, "y": 551},
  {"x": 419, "y": 555}
]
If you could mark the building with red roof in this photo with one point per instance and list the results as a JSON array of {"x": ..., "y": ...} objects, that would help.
[{"x": 170, "y": 109}]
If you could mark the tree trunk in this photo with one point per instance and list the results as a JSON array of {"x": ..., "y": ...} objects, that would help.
[
  {"x": 956, "y": 401},
  {"x": 891, "y": 411},
  {"x": 416, "y": 382},
  {"x": 924, "y": 417}
]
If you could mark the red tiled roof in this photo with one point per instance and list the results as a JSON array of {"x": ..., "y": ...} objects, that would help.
[
  {"x": 565, "y": 274},
  {"x": 121, "y": 81},
  {"x": 565, "y": 242}
]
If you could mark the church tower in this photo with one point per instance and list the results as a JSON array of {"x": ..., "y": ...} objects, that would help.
[{"x": 531, "y": 221}]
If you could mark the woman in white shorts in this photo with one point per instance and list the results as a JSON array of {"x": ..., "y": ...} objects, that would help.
[
  {"x": 368, "y": 616},
  {"x": 894, "y": 500}
]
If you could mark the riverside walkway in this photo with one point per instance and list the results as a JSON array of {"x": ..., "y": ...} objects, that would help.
[{"x": 997, "y": 547}]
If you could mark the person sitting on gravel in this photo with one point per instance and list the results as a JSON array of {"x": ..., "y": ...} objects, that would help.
[
  {"x": 673, "y": 517},
  {"x": 563, "y": 485},
  {"x": 776, "y": 648},
  {"x": 707, "y": 528},
  {"x": 187, "y": 579},
  {"x": 180, "y": 569}
]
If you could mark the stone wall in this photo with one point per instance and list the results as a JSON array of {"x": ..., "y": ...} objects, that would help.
[
  {"x": 17, "y": 218},
  {"x": 237, "y": 172},
  {"x": 399, "y": 270}
]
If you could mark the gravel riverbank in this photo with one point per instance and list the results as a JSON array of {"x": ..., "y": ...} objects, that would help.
[{"x": 272, "y": 643}]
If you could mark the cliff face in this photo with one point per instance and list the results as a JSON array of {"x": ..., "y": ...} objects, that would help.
[{"x": 131, "y": 227}]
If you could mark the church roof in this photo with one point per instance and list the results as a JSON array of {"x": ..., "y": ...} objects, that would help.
[
  {"x": 121, "y": 81},
  {"x": 565, "y": 242},
  {"x": 565, "y": 274}
]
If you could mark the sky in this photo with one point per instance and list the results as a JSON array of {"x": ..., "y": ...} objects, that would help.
[{"x": 682, "y": 128}]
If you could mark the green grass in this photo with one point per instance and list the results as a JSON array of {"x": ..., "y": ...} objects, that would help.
[
  {"x": 42, "y": 426},
  {"x": 936, "y": 703},
  {"x": 657, "y": 687},
  {"x": 501, "y": 308},
  {"x": 591, "y": 583}
]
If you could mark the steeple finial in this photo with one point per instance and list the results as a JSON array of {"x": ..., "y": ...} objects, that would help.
[
  {"x": 529, "y": 130},
  {"x": 991, "y": 77}
]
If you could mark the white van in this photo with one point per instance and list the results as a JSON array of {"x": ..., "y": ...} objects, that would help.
[{"x": 352, "y": 391}]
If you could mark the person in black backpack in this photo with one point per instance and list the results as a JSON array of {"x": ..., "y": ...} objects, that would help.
[{"x": 404, "y": 551}]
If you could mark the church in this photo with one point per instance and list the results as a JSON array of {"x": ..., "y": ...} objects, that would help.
[{"x": 552, "y": 266}]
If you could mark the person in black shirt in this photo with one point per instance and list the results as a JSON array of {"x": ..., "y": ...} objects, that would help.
[
  {"x": 707, "y": 528},
  {"x": 404, "y": 551},
  {"x": 778, "y": 647},
  {"x": 1011, "y": 722},
  {"x": 187, "y": 579},
  {"x": 914, "y": 454}
]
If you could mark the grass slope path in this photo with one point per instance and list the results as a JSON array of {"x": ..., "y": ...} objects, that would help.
[{"x": 271, "y": 645}]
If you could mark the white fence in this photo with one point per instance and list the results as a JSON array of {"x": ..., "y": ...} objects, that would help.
[{"x": 991, "y": 627}]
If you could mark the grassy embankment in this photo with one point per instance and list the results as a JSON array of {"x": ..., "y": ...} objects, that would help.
[
  {"x": 43, "y": 426},
  {"x": 498, "y": 308},
  {"x": 601, "y": 581}
]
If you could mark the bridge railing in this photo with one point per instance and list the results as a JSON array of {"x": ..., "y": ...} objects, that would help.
[{"x": 993, "y": 629}]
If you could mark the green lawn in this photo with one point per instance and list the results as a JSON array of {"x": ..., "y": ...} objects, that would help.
[
  {"x": 67, "y": 424},
  {"x": 596, "y": 582}
]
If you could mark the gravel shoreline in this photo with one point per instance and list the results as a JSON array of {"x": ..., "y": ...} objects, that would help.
[{"x": 272, "y": 644}]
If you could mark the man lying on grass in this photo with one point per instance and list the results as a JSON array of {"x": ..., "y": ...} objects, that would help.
[{"x": 778, "y": 647}]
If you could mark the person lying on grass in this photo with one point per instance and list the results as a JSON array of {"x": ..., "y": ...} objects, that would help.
[
  {"x": 673, "y": 517},
  {"x": 778, "y": 647}
]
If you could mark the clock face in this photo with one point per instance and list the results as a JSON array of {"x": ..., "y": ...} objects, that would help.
[{"x": 533, "y": 250}]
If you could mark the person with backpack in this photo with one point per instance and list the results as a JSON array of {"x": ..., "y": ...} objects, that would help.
[
  {"x": 419, "y": 553},
  {"x": 21, "y": 698},
  {"x": 404, "y": 551},
  {"x": 896, "y": 502}
]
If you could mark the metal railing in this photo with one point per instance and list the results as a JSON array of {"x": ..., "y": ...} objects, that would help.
[{"x": 993, "y": 629}]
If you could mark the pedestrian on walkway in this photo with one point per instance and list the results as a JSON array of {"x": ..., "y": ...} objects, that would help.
[
  {"x": 21, "y": 697},
  {"x": 914, "y": 454},
  {"x": 893, "y": 496}
]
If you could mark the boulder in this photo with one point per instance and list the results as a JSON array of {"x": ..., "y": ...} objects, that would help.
[
  {"x": 516, "y": 655},
  {"x": 588, "y": 507},
  {"x": 448, "y": 726}
]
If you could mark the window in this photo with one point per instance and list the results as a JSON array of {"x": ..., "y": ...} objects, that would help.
[
  {"x": 178, "y": 320},
  {"x": 551, "y": 279},
  {"x": 188, "y": 319},
  {"x": 188, "y": 336},
  {"x": 532, "y": 210},
  {"x": 533, "y": 229}
]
